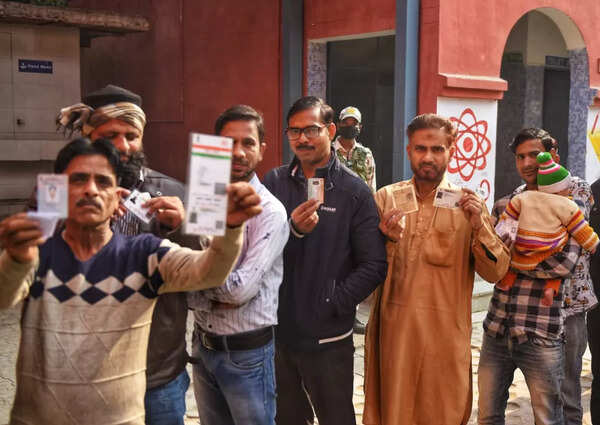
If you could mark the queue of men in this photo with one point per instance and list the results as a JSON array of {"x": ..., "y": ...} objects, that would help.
[{"x": 105, "y": 299}]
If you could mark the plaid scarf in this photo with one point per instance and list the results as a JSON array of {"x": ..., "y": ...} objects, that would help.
[{"x": 84, "y": 119}]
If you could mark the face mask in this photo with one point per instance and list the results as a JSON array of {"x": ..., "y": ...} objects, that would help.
[{"x": 349, "y": 132}]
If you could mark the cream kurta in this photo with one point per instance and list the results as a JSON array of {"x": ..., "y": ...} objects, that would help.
[{"x": 418, "y": 344}]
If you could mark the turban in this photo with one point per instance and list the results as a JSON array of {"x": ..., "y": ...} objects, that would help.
[{"x": 84, "y": 119}]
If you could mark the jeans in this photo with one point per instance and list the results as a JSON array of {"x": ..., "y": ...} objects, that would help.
[
  {"x": 234, "y": 387},
  {"x": 321, "y": 379},
  {"x": 575, "y": 344},
  {"x": 540, "y": 360},
  {"x": 593, "y": 325},
  {"x": 165, "y": 405}
]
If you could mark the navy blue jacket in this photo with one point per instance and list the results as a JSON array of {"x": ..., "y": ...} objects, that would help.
[{"x": 329, "y": 271}]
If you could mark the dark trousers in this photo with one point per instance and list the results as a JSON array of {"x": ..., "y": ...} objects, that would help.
[
  {"x": 593, "y": 325},
  {"x": 322, "y": 380}
]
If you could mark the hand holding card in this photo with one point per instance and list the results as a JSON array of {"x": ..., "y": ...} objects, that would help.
[
  {"x": 135, "y": 202},
  {"x": 404, "y": 199},
  {"x": 52, "y": 202},
  {"x": 447, "y": 198},
  {"x": 316, "y": 189}
]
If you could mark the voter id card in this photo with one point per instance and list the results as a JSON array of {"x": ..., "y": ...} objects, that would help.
[
  {"x": 53, "y": 194},
  {"x": 134, "y": 204},
  {"x": 404, "y": 199},
  {"x": 316, "y": 189},
  {"x": 447, "y": 198},
  {"x": 208, "y": 176},
  {"x": 46, "y": 221}
]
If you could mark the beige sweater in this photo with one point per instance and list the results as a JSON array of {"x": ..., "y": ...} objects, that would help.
[{"x": 85, "y": 325}]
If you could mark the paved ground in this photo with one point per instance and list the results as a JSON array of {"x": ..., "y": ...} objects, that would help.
[{"x": 518, "y": 411}]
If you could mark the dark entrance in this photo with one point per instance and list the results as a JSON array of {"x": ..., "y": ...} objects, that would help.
[
  {"x": 557, "y": 84},
  {"x": 361, "y": 73}
]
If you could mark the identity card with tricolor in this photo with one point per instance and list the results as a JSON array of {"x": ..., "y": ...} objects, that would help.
[{"x": 208, "y": 176}]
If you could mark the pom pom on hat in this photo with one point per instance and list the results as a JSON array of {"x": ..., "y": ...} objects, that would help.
[{"x": 552, "y": 177}]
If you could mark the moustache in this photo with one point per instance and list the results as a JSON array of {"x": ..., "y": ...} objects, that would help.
[
  {"x": 243, "y": 163},
  {"x": 305, "y": 147},
  {"x": 86, "y": 201}
]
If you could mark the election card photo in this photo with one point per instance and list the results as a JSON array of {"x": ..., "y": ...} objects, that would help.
[
  {"x": 447, "y": 198},
  {"x": 208, "y": 176},
  {"x": 52, "y": 201},
  {"x": 404, "y": 199},
  {"x": 134, "y": 204},
  {"x": 316, "y": 189}
]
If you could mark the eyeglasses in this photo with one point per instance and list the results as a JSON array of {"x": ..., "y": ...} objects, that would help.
[{"x": 310, "y": 132}]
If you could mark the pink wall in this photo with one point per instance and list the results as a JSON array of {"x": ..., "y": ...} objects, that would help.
[
  {"x": 468, "y": 37},
  {"x": 198, "y": 59}
]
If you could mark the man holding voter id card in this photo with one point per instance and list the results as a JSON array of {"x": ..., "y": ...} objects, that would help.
[
  {"x": 233, "y": 345},
  {"x": 334, "y": 258},
  {"x": 89, "y": 294},
  {"x": 154, "y": 205},
  {"x": 418, "y": 343}
]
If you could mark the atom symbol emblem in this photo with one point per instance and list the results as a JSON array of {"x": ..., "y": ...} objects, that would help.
[{"x": 472, "y": 145}]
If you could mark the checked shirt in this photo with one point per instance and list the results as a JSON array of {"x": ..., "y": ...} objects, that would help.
[{"x": 519, "y": 311}]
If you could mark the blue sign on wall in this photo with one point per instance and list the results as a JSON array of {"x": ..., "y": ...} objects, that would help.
[{"x": 38, "y": 67}]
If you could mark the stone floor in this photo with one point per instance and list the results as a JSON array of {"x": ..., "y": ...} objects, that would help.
[{"x": 518, "y": 411}]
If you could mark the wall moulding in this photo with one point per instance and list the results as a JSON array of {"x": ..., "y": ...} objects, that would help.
[{"x": 472, "y": 86}]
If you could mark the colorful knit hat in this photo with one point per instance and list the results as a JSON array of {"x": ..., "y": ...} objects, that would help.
[{"x": 552, "y": 177}]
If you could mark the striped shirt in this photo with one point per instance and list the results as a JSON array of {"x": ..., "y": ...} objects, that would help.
[{"x": 253, "y": 285}]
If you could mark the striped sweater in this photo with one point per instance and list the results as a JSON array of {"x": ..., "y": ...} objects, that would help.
[{"x": 545, "y": 223}]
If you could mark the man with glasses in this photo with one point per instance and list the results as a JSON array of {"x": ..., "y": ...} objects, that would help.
[{"x": 335, "y": 257}]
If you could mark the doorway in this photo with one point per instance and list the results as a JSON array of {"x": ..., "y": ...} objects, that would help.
[{"x": 360, "y": 73}]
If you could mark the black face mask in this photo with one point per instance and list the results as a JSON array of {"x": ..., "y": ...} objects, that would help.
[{"x": 349, "y": 133}]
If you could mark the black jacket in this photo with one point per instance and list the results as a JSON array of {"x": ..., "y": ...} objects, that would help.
[
  {"x": 595, "y": 223},
  {"x": 167, "y": 355},
  {"x": 329, "y": 271}
]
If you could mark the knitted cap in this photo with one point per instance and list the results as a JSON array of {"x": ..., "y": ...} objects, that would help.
[
  {"x": 111, "y": 94},
  {"x": 552, "y": 177}
]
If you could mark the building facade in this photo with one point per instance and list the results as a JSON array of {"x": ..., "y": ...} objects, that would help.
[{"x": 493, "y": 67}]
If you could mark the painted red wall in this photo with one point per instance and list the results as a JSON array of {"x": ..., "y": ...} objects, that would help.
[
  {"x": 334, "y": 18},
  {"x": 198, "y": 59},
  {"x": 468, "y": 37},
  {"x": 339, "y": 18}
]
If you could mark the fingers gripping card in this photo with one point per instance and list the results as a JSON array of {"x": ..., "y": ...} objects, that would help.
[
  {"x": 316, "y": 189},
  {"x": 134, "y": 204},
  {"x": 447, "y": 198}
]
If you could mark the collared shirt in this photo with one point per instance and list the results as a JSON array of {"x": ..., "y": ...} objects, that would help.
[
  {"x": 251, "y": 291},
  {"x": 360, "y": 160},
  {"x": 579, "y": 295}
]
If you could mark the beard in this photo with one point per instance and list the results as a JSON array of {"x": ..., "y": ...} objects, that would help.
[
  {"x": 129, "y": 171},
  {"x": 428, "y": 172}
]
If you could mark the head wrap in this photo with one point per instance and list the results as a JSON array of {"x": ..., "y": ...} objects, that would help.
[
  {"x": 84, "y": 119},
  {"x": 101, "y": 106}
]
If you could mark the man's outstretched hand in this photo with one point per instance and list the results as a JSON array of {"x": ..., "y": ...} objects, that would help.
[
  {"x": 243, "y": 203},
  {"x": 20, "y": 237}
]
